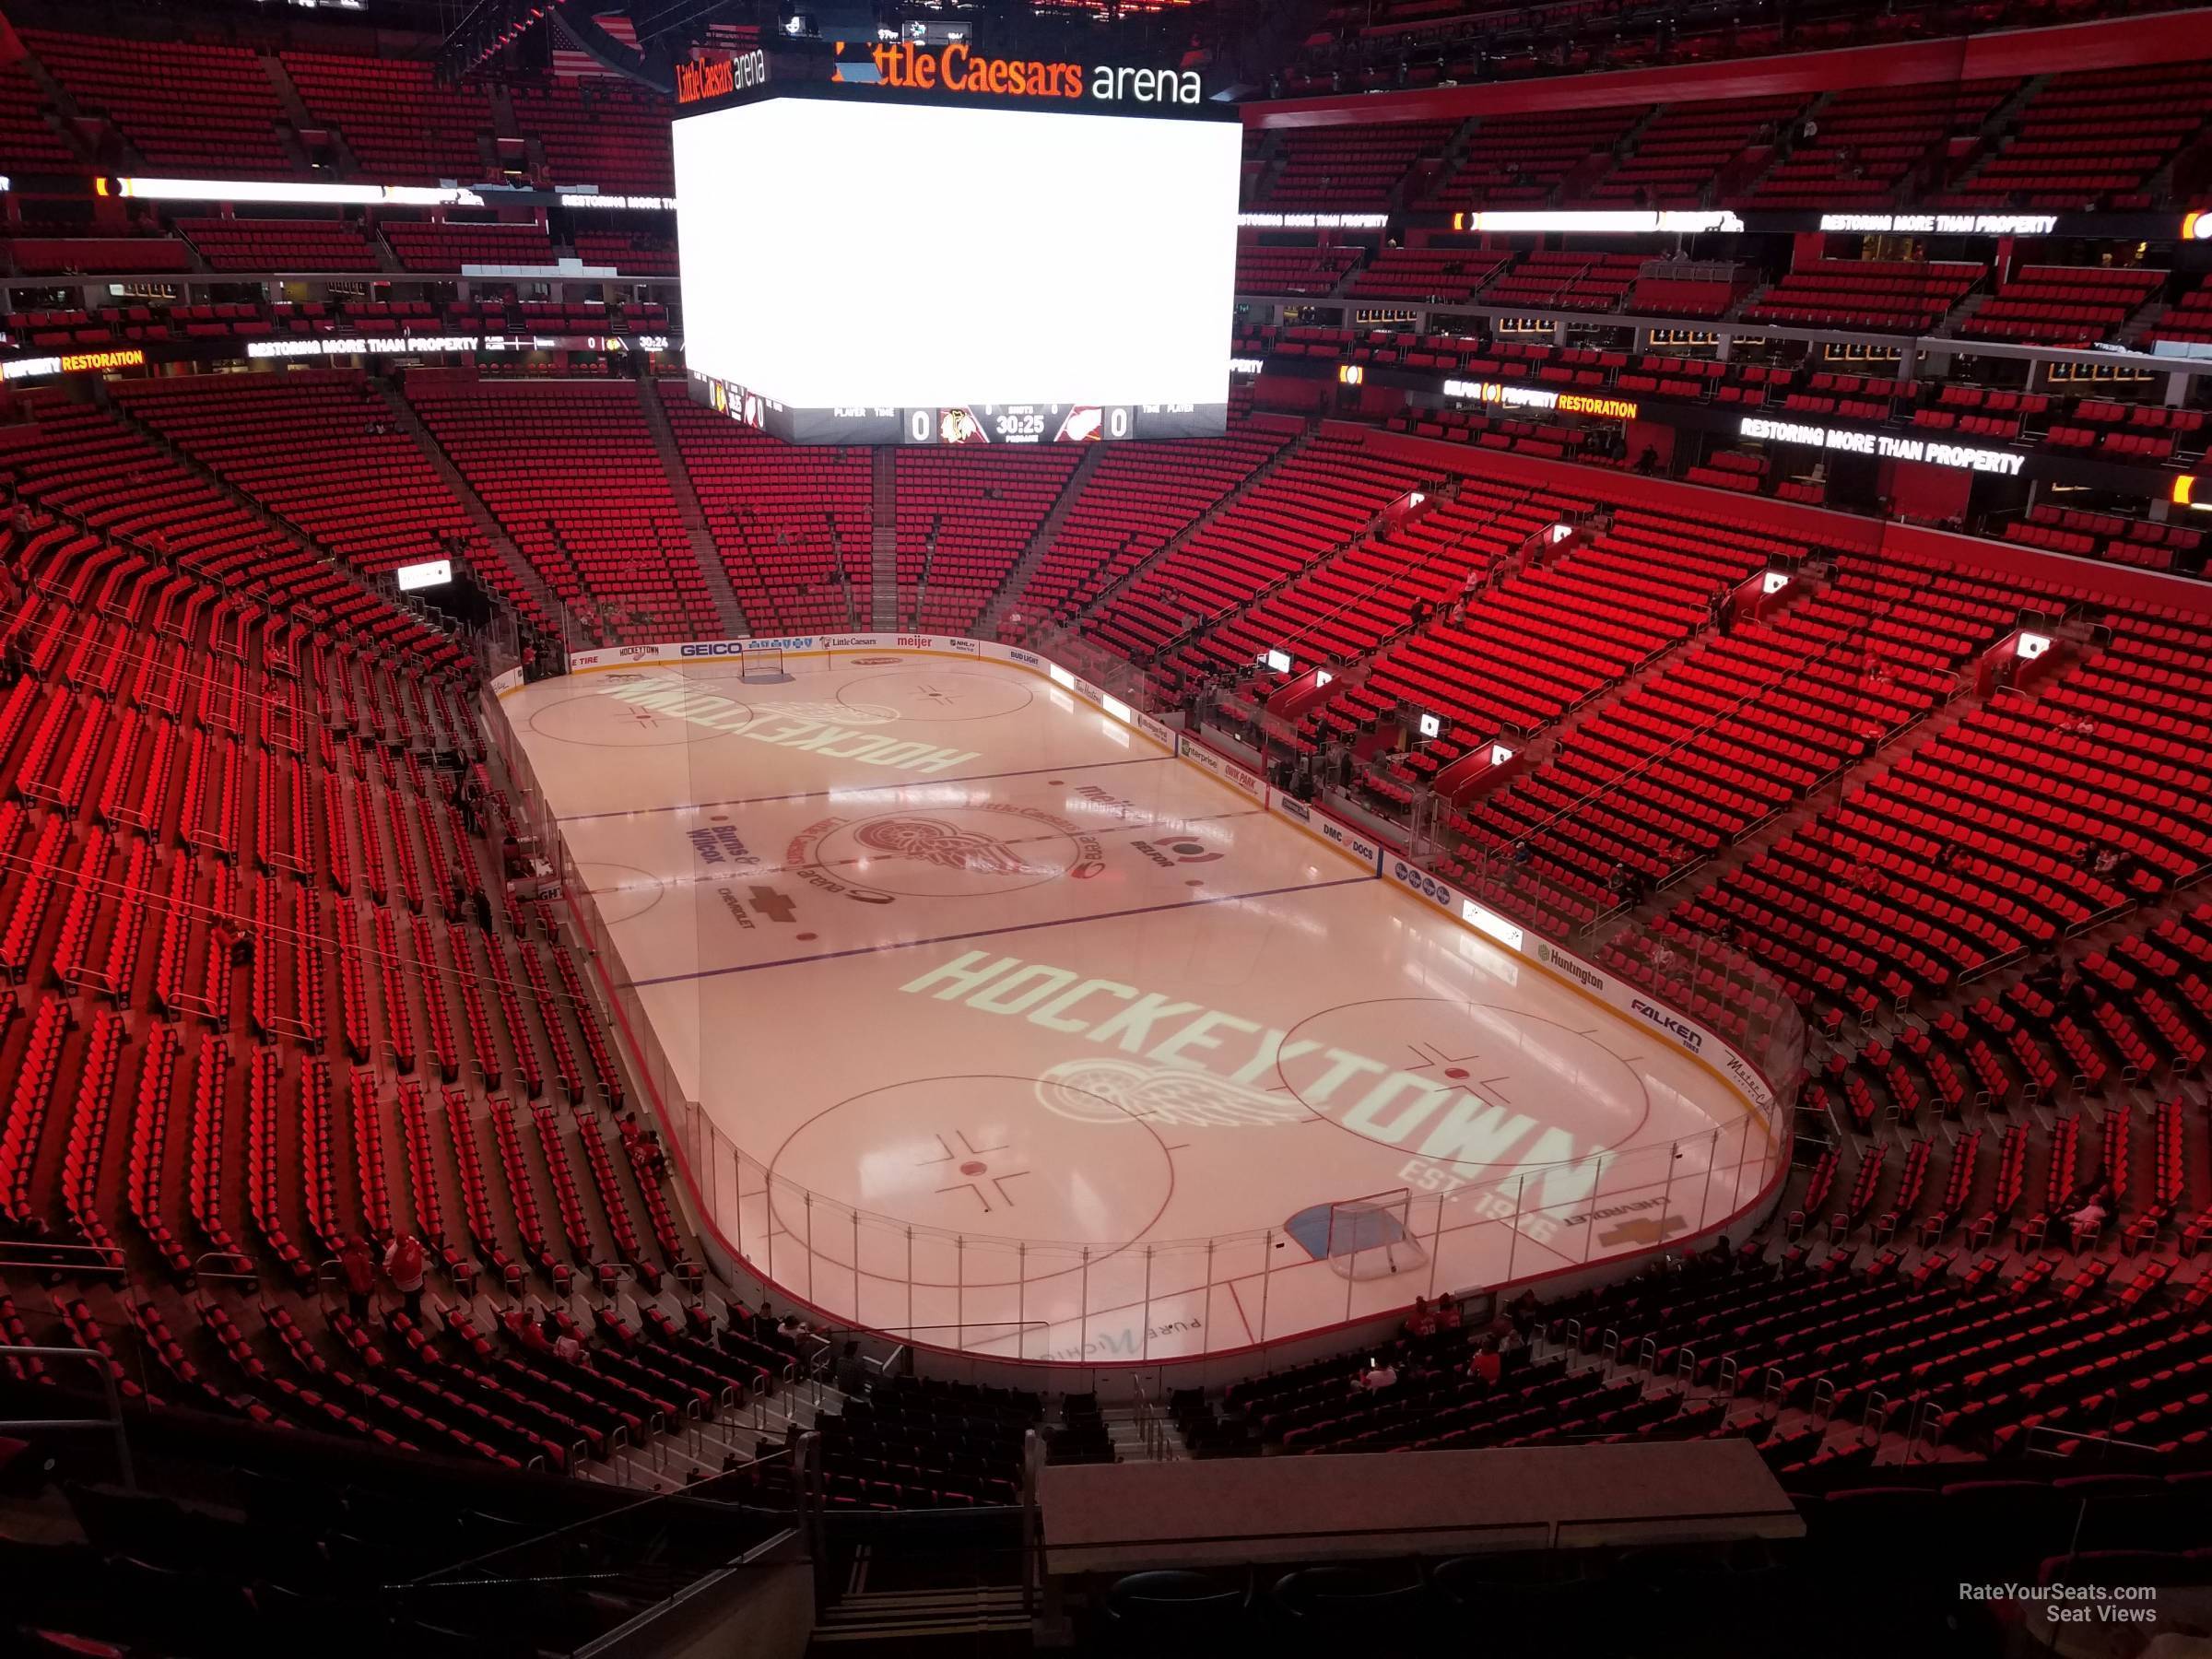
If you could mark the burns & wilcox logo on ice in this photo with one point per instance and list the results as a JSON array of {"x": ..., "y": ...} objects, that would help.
[
  {"x": 719, "y": 843},
  {"x": 1688, "y": 1035}
]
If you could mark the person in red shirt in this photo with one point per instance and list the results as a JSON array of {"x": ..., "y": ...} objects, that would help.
[
  {"x": 357, "y": 1271},
  {"x": 1488, "y": 1365},
  {"x": 1421, "y": 1321},
  {"x": 402, "y": 1266}
]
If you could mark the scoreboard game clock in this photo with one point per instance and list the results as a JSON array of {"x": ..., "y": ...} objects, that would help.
[
  {"x": 1084, "y": 237},
  {"x": 962, "y": 423},
  {"x": 1056, "y": 423}
]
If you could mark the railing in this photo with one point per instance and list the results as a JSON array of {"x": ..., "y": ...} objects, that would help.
[
  {"x": 1088, "y": 1303},
  {"x": 2044, "y": 1439},
  {"x": 1098, "y": 1303},
  {"x": 1151, "y": 1426},
  {"x": 112, "y": 1422},
  {"x": 650, "y": 1552}
]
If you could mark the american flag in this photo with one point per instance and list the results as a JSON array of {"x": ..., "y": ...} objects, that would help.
[{"x": 569, "y": 62}]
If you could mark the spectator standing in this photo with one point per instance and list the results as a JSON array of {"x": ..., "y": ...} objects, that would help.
[
  {"x": 357, "y": 1272},
  {"x": 402, "y": 1266},
  {"x": 852, "y": 1372}
]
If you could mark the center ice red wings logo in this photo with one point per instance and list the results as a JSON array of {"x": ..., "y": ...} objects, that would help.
[{"x": 932, "y": 841}]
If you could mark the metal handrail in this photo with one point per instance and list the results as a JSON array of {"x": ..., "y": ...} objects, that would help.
[
  {"x": 113, "y": 1420},
  {"x": 201, "y": 1270},
  {"x": 2040, "y": 1432},
  {"x": 105, "y": 1258}
]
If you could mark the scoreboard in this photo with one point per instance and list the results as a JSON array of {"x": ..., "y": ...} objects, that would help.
[
  {"x": 953, "y": 249},
  {"x": 963, "y": 423}
]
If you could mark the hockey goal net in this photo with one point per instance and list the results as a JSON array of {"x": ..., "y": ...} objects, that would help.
[
  {"x": 761, "y": 661},
  {"x": 1370, "y": 1237}
]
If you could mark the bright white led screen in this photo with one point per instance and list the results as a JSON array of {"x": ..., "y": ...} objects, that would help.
[{"x": 837, "y": 254}]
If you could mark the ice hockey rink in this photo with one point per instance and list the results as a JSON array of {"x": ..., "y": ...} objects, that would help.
[{"x": 1011, "y": 1031}]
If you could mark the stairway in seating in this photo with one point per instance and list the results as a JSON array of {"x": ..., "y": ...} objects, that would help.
[
  {"x": 883, "y": 506},
  {"x": 1173, "y": 545},
  {"x": 956, "y": 1621},
  {"x": 1323, "y": 561},
  {"x": 1041, "y": 543},
  {"x": 689, "y": 512},
  {"x": 480, "y": 516}
]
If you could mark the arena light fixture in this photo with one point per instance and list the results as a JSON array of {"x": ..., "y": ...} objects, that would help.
[
  {"x": 295, "y": 192},
  {"x": 288, "y": 190}
]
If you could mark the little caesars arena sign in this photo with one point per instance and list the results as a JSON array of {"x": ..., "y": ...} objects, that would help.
[{"x": 955, "y": 68}]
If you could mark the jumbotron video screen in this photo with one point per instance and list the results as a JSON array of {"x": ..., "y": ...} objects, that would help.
[{"x": 869, "y": 265}]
